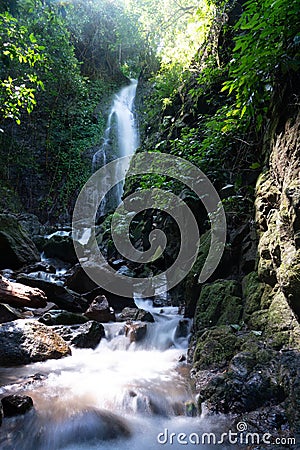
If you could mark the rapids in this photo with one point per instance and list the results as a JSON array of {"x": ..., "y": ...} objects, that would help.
[{"x": 119, "y": 396}]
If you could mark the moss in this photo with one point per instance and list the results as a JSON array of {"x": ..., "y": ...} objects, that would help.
[
  {"x": 282, "y": 328},
  {"x": 256, "y": 347},
  {"x": 215, "y": 348},
  {"x": 289, "y": 280},
  {"x": 218, "y": 304},
  {"x": 258, "y": 320},
  {"x": 253, "y": 290},
  {"x": 267, "y": 297}
]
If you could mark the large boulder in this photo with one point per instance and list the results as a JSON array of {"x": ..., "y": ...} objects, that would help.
[
  {"x": 64, "y": 298},
  {"x": 77, "y": 280},
  {"x": 27, "y": 341},
  {"x": 135, "y": 331},
  {"x": 135, "y": 314},
  {"x": 100, "y": 310},
  {"x": 17, "y": 294},
  {"x": 87, "y": 335},
  {"x": 60, "y": 247},
  {"x": 16, "y": 248}
]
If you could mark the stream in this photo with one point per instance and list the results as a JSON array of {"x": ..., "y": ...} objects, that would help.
[{"x": 121, "y": 395}]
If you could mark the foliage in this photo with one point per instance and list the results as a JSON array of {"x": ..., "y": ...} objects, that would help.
[
  {"x": 266, "y": 45},
  {"x": 106, "y": 36},
  {"x": 52, "y": 144},
  {"x": 20, "y": 58}
]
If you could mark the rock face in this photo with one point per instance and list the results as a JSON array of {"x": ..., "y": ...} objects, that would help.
[
  {"x": 24, "y": 342},
  {"x": 16, "y": 248},
  {"x": 17, "y": 294},
  {"x": 100, "y": 310},
  {"x": 245, "y": 348},
  {"x": 14, "y": 405},
  {"x": 87, "y": 335}
]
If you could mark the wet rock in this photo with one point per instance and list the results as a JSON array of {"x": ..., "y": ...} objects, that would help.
[
  {"x": 190, "y": 409},
  {"x": 87, "y": 335},
  {"x": 14, "y": 405},
  {"x": 64, "y": 298},
  {"x": 135, "y": 314},
  {"x": 24, "y": 342},
  {"x": 16, "y": 248},
  {"x": 182, "y": 358},
  {"x": 135, "y": 331},
  {"x": 182, "y": 329},
  {"x": 81, "y": 427},
  {"x": 100, "y": 310},
  {"x": 58, "y": 317}
]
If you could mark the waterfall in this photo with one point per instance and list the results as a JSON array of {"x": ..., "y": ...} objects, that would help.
[{"x": 120, "y": 139}]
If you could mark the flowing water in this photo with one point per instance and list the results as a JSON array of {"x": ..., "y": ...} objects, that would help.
[
  {"x": 120, "y": 139},
  {"x": 123, "y": 395},
  {"x": 119, "y": 396}
]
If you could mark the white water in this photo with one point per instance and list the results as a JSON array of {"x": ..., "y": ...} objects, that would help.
[
  {"x": 121, "y": 114},
  {"x": 140, "y": 386}
]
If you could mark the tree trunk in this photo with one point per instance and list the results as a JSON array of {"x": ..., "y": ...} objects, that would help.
[{"x": 17, "y": 294}]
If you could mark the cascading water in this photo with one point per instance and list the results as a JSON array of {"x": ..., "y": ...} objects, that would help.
[
  {"x": 120, "y": 139},
  {"x": 119, "y": 396},
  {"x": 123, "y": 395}
]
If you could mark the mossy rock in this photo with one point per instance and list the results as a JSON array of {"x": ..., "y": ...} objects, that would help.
[
  {"x": 258, "y": 320},
  {"x": 283, "y": 329},
  {"x": 288, "y": 276},
  {"x": 219, "y": 303},
  {"x": 253, "y": 291},
  {"x": 267, "y": 296},
  {"x": 215, "y": 348},
  {"x": 16, "y": 247}
]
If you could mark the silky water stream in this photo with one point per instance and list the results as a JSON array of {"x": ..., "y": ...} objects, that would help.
[{"x": 119, "y": 396}]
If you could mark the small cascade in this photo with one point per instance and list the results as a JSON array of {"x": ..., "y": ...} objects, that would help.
[
  {"x": 119, "y": 396},
  {"x": 120, "y": 139}
]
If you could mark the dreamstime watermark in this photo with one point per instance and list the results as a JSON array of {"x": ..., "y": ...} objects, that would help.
[
  {"x": 238, "y": 437},
  {"x": 101, "y": 182}
]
